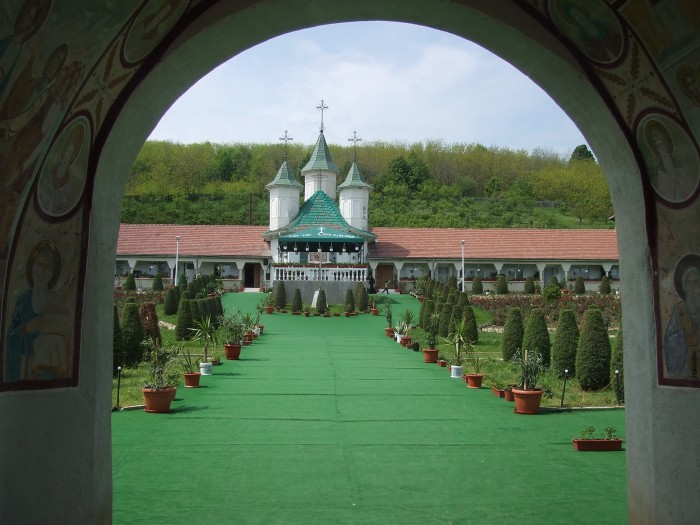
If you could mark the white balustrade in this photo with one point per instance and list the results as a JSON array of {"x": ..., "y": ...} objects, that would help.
[{"x": 311, "y": 273}]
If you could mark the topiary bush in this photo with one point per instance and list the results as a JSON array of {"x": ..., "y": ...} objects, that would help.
[
  {"x": 555, "y": 281},
  {"x": 170, "y": 305},
  {"x": 617, "y": 363},
  {"x": 529, "y": 286},
  {"x": 445, "y": 318},
  {"x": 349, "y": 301},
  {"x": 551, "y": 293},
  {"x": 456, "y": 317},
  {"x": 184, "y": 319},
  {"x": 501, "y": 285},
  {"x": 565, "y": 344},
  {"x": 477, "y": 285},
  {"x": 117, "y": 344},
  {"x": 463, "y": 299},
  {"x": 593, "y": 352},
  {"x": 280, "y": 295},
  {"x": 536, "y": 337},
  {"x": 132, "y": 335},
  {"x": 579, "y": 286},
  {"x": 321, "y": 305},
  {"x": 452, "y": 282},
  {"x": 428, "y": 310},
  {"x": 158, "y": 283},
  {"x": 361, "y": 299},
  {"x": 296, "y": 300},
  {"x": 149, "y": 321},
  {"x": 605, "y": 285},
  {"x": 471, "y": 328},
  {"x": 130, "y": 283},
  {"x": 513, "y": 332}
]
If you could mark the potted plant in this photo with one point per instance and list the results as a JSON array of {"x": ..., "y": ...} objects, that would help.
[
  {"x": 587, "y": 442},
  {"x": 259, "y": 310},
  {"x": 215, "y": 358},
  {"x": 528, "y": 395},
  {"x": 458, "y": 340},
  {"x": 249, "y": 325},
  {"x": 307, "y": 310},
  {"x": 389, "y": 330},
  {"x": 191, "y": 370},
  {"x": 161, "y": 382},
  {"x": 475, "y": 378},
  {"x": 430, "y": 353},
  {"x": 232, "y": 327},
  {"x": 205, "y": 331},
  {"x": 373, "y": 308},
  {"x": 269, "y": 303},
  {"x": 408, "y": 322}
]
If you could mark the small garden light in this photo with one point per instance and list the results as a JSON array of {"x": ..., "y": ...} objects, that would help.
[{"x": 566, "y": 374}]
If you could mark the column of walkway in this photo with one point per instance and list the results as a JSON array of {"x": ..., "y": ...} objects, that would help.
[{"x": 326, "y": 420}]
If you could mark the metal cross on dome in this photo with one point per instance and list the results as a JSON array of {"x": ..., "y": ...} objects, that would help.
[
  {"x": 322, "y": 107},
  {"x": 286, "y": 139},
  {"x": 354, "y": 139}
]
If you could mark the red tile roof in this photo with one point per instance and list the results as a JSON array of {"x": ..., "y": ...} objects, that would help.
[
  {"x": 204, "y": 240},
  {"x": 494, "y": 244},
  {"x": 392, "y": 243}
]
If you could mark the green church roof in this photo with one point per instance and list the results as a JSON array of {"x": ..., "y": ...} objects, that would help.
[
  {"x": 320, "y": 158},
  {"x": 321, "y": 210},
  {"x": 354, "y": 179},
  {"x": 285, "y": 177}
]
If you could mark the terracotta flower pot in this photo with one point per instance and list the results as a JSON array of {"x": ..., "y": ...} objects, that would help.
[
  {"x": 232, "y": 351},
  {"x": 430, "y": 355},
  {"x": 474, "y": 380},
  {"x": 158, "y": 401},
  {"x": 389, "y": 331},
  {"x": 597, "y": 445},
  {"x": 498, "y": 392},
  {"x": 442, "y": 363},
  {"x": 192, "y": 379},
  {"x": 374, "y": 311},
  {"x": 527, "y": 401},
  {"x": 269, "y": 309},
  {"x": 508, "y": 395}
]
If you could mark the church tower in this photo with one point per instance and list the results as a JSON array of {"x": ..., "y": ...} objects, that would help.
[
  {"x": 320, "y": 173},
  {"x": 284, "y": 193},
  {"x": 354, "y": 194}
]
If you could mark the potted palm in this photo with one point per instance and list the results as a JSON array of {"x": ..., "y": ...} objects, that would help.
[
  {"x": 191, "y": 370},
  {"x": 205, "y": 332},
  {"x": 430, "y": 353},
  {"x": 587, "y": 442},
  {"x": 161, "y": 381},
  {"x": 527, "y": 395},
  {"x": 373, "y": 308},
  {"x": 249, "y": 324},
  {"x": 269, "y": 303},
  {"x": 389, "y": 330},
  {"x": 407, "y": 320},
  {"x": 458, "y": 340},
  {"x": 232, "y": 328}
]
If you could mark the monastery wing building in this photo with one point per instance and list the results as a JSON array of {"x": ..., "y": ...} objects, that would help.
[{"x": 328, "y": 243}]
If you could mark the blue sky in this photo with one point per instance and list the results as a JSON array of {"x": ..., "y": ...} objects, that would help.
[{"x": 387, "y": 81}]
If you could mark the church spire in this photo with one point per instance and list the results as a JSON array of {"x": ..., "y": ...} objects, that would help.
[{"x": 322, "y": 107}]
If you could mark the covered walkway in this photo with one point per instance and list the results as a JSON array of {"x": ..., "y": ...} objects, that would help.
[{"x": 327, "y": 421}]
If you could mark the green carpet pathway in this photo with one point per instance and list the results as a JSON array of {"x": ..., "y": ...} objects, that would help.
[{"x": 327, "y": 421}]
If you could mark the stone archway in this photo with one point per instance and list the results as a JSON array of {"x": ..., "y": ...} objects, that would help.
[{"x": 130, "y": 86}]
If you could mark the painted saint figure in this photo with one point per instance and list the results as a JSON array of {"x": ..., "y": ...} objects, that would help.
[
  {"x": 682, "y": 338},
  {"x": 36, "y": 346},
  {"x": 668, "y": 175}
]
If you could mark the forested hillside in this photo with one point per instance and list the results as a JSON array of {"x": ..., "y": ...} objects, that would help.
[{"x": 430, "y": 184}]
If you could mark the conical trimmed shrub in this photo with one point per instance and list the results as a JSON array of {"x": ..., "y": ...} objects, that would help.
[
  {"x": 421, "y": 314},
  {"x": 477, "y": 285},
  {"x": 361, "y": 299},
  {"x": 445, "y": 318},
  {"x": 536, "y": 337},
  {"x": 456, "y": 317},
  {"x": 321, "y": 305},
  {"x": 529, "y": 286},
  {"x": 280, "y": 296},
  {"x": 349, "y": 301},
  {"x": 149, "y": 321},
  {"x": 428, "y": 311},
  {"x": 605, "y": 285},
  {"x": 158, "y": 283},
  {"x": 184, "y": 319},
  {"x": 170, "y": 305},
  {"x": 203, "y": 309},
  {"x": 296, "y": 300},
  {"x": 513, "y": 332},
  {"x": 472, "y": 329},
  {"x": 132, "y": 335},
  {"x": 117, "y": 343},
  {"x": 617, "y": 363},
  {"x": 130, "y": 283},
  {"x": 501, "y": 285},
  {"x": 452, "y": 282},
  {"x": 554, "y": 280},
  {"x": 593, "y": 353},
  {"x": 579, "y": 286},
  {"x": 463, "y": 299},
  {"x": 565, "y": 344}
]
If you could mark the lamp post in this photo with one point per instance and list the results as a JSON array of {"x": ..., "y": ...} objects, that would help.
[
  {"x": 177, "y": 254},
  {"x": 319, "y": 266},
  {"x": 462, "y": 265}
]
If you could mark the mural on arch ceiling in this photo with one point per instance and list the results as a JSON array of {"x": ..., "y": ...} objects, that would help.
[{"x": 57, "y": 87}]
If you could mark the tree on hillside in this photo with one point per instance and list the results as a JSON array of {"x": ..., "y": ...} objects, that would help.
[{"x": 581, "y": 152}]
